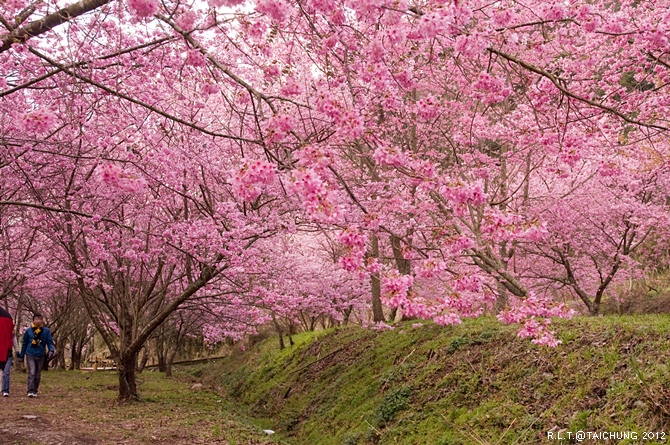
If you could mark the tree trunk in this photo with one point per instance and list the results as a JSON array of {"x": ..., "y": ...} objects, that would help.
[
  {"x": 73, "y": 355},
  {"x": 347, "y": 314},
  {"x": 595, "y": 304},
  {"x": 393, "y": 314},
  {"x": 78, "y": 353},
  {"x": 161, "y": 356},
  {"x": 127, "y": 382},
  {"x": 169, "y": 362},
  {"x": 402, "y": 263},
  {"x": 143, "y": 361},
  {"x": 279, "y": 332},
  {"x": 404, "y": 268},
  {"x": 58, "y": 361},
  {"x": 375, "y": 284},
  {"x": 290, "y": 333},
  {"x": 502, "y": 300}
]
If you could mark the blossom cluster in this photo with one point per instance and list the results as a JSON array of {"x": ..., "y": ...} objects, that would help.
[
  {"x": 316, "y": 197},
  {"x": 318, "y": 157},
  {"x": 211, "y": 88},
  {"x": 462, "y": 195},
  {"x": 195, "y": 58},
  {"x": 354, "y": 243},
  {"x": 395, "y": 289},
  {"x": 277, "y": 10},
  {"x": 533, "y": 314},
  {"x": 491, "y": 89},
  {"x": 115, "y": 176},
  {"x": 390, "y": 156},
  {"x": 290, "y": 88},
  {"x": 40, "y": 121},
  {"x": 428, "y": 107},
  {"x": 186, "y": 21},
  {"x": 502, "y": 226},
  {"x": 349, "y": 121},
  {"x": 430, "y": 267},
  {"x": 278, "y": 127},
  {"x": 143, "y": 8},
  {"x": 433, "y": 23},
  {"x": 229, "y": 3},
  {"x": 322, "y": 6},
  {"x": 252, "y": 178}
]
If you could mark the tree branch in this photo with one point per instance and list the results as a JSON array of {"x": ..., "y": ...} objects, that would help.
[
  {"x": 137, "y": 101},
  {"x": 564, "y": 90},
  {"x": 50, "y": 21},
  {"x": 57, "y": 210}
]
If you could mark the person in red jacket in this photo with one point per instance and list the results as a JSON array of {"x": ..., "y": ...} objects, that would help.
[{"x": 6, "y": 338}]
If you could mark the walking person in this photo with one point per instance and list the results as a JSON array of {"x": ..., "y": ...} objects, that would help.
[
  {"x": 8, "y": 368},
  {"x": 37, "y": 342},
  {"x": 6, "y": 334}
]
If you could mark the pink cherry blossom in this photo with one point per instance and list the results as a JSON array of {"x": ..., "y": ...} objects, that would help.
[
  {"x": 278, "y": 127},
  {"x": 114, "y": 176},
  {"x": 252, "y": 178},
  {"x": 143, "y": 8},
  {"x": 277, "y": 10},
  {"x": 41, "y": 121}
]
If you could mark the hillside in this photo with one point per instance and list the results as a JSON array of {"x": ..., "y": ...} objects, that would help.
[{"x": 474, "y": 383}]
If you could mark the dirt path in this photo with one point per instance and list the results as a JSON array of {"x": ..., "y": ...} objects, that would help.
[{"x": 79, "y": 408}]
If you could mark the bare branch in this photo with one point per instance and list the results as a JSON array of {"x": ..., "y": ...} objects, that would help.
[{"x": 48, "y": 22}]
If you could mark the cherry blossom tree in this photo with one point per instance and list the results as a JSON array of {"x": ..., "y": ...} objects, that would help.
[{"x": 464, "y": 151}]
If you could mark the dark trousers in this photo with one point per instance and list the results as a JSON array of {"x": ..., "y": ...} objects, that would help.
[{"x": 34, "y": 365}]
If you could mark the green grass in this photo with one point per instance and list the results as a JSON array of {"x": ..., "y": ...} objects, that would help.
[
  {"x": 474, "y": 383},
  {"x": 81, "y": 407}
]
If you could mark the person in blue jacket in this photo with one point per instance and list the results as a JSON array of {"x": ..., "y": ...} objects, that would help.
[{"x": 37, "y": 342}]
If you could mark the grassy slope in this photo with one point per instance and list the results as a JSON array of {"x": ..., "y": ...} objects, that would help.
[{"x": 474, "y": 383}]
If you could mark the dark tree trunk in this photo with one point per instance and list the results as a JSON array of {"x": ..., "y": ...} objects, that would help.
[
  {"x": 347, "y": 314},
  {"x": 375, "y": 284},
  {"x": 279, "y": 332},
  {"x": 161, "y": 356},
  {"x": 291, "y": 329},
  {"x": 127, "y": 368},
  {"x": 73, "y": 356},
  {"x": 78, "y": 353}
]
